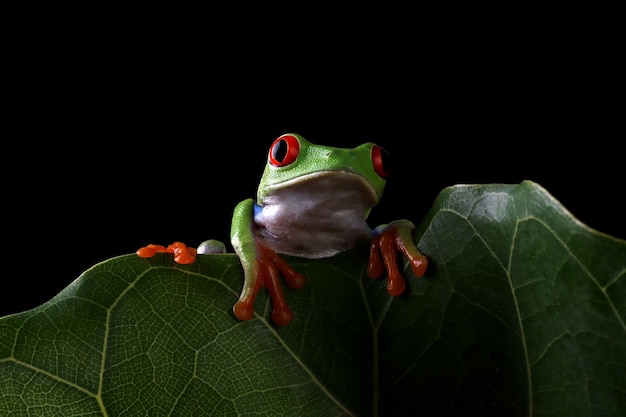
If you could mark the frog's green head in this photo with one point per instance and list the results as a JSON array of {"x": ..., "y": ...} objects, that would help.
[{"x": 296, "y": 164}]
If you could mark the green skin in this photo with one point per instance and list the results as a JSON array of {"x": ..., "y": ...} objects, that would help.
[
  {"x": 312, "y": 202},
  {"x": 314, "y": 207}
]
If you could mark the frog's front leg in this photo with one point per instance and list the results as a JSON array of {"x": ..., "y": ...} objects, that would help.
[
  {"x": 262, "y": 267},
  {"x": 389, "y": 240}
]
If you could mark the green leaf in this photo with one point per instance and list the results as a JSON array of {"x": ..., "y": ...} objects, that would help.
[{"x": 522, "y": 313}]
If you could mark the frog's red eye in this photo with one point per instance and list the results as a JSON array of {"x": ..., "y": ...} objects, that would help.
[
  {"x": 284, "y": 150},
  {"x": 381, "y": 161}
]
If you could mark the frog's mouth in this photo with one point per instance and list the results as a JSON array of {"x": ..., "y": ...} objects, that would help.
[{"x": 334, "y": 187}]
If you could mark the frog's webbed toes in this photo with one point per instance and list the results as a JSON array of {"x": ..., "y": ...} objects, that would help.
[
  {"x": 270, "y": 267},
  {"x": 266, "y": 270},
  {"x": 182, "y": 253},
  {"x": 419, "y": 264},
  {"x": 150, "y": 250},
  {"x": 294, "y": 279},
  {"x": 265, "y": 274},
  {"x": 392, "y": 239},
  {"x": 243, "y": 310},
  {"x": 282, "y": 316}
]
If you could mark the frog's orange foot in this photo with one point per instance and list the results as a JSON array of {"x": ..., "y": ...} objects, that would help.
[
  {"x": 268, "y": 268},
  {"x": 182, "y": 253},
  {"x": 387, "y": 244}
]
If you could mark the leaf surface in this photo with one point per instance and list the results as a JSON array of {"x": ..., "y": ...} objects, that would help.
[{"x": 522, "y": 313}]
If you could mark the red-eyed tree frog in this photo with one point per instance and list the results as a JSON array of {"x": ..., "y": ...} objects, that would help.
[{"x": 312, "y": 202}]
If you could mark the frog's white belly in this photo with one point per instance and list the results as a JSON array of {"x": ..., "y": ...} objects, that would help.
[{"x": 315, "y": 222}]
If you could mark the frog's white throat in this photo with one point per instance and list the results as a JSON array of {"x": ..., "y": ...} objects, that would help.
[{"x": 316, "y": 215}]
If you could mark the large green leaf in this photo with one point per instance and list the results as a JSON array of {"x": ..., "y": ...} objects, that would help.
[{"x": 522, "y": 313}]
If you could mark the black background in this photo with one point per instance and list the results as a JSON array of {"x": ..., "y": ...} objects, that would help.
[{"x": 115, "y": 144}]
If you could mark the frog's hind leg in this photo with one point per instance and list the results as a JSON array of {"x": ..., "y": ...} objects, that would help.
[{"x": 182, "y": 253}]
